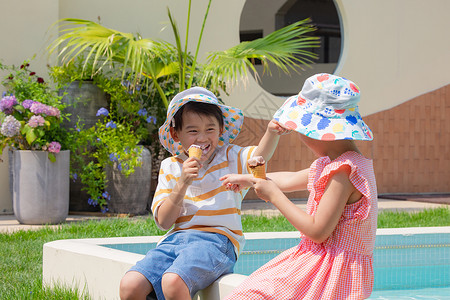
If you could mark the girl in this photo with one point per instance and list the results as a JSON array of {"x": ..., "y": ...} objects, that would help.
[{"x": 335, "y": 256}]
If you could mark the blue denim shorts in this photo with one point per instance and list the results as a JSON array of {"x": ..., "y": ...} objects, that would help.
[{"x": 198, "y": 257}]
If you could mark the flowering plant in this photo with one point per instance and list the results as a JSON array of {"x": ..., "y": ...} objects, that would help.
[
  {"x": 30, "y": 115},
  {"x": 123, "y": 125}
]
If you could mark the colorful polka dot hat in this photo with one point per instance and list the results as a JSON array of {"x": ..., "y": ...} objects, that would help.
[
  {"x": 325, "y": 109},
  {"x": 233, "y": 118}
]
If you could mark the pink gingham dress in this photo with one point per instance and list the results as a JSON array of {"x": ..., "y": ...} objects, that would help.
[{"x": 339, "y": 268}]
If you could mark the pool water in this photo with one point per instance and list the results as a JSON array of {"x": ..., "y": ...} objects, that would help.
[{"x": 415, "y": 266}]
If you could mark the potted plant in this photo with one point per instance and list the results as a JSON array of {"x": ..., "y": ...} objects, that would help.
[
  {"x": 112, "y": 159},
  {"x": 83, "y": 98},
  {"x": 39, "y": 160}
]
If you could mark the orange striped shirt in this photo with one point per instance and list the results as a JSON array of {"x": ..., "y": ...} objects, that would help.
[{"x": 207, "y": 205}]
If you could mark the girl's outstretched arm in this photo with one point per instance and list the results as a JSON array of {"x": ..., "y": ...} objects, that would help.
[
  {"x": 286, "y": 181},
  {"x": 319, "y": 227},
  {"x": 290, "y": 181}
]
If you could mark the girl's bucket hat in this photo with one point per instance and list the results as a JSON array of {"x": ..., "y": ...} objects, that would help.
[
  {"x": 233, "y": 118},
  {"x": 325, "y": 109}
]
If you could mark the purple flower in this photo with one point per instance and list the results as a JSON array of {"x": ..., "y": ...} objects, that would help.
[
  {"x": 111, "y": 124},
  {"x": 92, "y": 202},
  {"x": 27, "y": 103},
  {"x": 36, "y": 121},
  {"x": 54, "y": 147},
  {"x": 104, "y": 209},
  {"x": 102, "y": 112},
  {"x": 106, "y": 195},
  {"x": 10, "y": 127},
  {"x": 151, "y": 119},
  {"x": 112, "y": 157},
  {"x": 74, "y": 176},
  {"x": 7, "y": 103},
  {"x": 142, "y": 112}
]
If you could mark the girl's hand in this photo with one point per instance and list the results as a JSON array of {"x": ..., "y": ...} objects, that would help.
[
  {"x": 191, "y": 167},
  {"x": 237, "y": 182},
  {"x": 278, "y": 128},
  {"x": 267, "y": 190}
]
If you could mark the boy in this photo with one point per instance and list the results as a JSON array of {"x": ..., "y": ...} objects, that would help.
[{"x": 206, "y": 237}]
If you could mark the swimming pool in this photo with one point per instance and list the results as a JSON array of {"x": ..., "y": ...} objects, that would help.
[{"x": 408, "y": 263}]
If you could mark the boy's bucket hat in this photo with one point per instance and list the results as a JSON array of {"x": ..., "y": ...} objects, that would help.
[
  {"x": 233, "y": 118},
  {"x": 325, "y": 109}
]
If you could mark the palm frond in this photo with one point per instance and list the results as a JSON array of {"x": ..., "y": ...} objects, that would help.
[
  {"x": 103, "y": 45},
  {"x": 181, "y": 56}
]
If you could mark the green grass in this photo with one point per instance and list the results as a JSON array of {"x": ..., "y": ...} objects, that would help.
[{"x": 21, "y": 252}]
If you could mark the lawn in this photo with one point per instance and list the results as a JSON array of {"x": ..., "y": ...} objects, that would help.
[{"x": 21, "y": 259}]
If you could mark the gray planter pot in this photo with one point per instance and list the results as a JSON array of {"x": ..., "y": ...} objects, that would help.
[
  {"x": 130, "y": 195},
  {"x": 40, "y": 188},
  {"x": 83, "y": 100}
]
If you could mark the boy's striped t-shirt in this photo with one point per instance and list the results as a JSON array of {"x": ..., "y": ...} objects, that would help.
[{"x": 207, "y": 205}]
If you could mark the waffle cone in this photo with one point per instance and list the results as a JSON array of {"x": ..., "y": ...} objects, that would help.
[
  {"x": 259, "y": 171},
  {"x": 195, "y": 152}
]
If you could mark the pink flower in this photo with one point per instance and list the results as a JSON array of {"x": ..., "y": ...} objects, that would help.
[
  {"x": 36, "y": 121},
  {"x": 27, "y": 103},
  {"x": 54, "y": 147}
]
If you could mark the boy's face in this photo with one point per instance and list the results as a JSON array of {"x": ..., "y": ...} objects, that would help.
[{"x": 200, "y": 130}]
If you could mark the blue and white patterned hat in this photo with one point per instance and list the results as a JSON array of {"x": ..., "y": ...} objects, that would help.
[
  {"x": 325, "y": 109},
  {"x": 233, "y": 118}
]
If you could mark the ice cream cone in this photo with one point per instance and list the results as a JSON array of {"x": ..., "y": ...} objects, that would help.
[
  {"x": 259, "y": 171},
  {"x": 257, "y": 166},
  {"x": 195, "y": 151}
]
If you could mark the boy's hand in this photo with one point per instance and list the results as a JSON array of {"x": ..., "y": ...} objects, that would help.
[
  {"x": 278, "y": 128},
  {"x": 191, "y": 166},
  {"x": 237, "y": 182}
]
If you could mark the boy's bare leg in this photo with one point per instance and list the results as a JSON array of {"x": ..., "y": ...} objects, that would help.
[
  {"x": 174, "y": 288},
  {"x": 134, "y": 286}
]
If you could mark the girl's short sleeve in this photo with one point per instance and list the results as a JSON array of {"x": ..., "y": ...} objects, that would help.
[{"x": 360, "y": 209}]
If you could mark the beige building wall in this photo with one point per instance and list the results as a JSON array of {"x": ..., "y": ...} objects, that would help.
[{"x": 394, "y": 50}]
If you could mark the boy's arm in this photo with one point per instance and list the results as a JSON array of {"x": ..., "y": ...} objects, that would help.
[
  {"x": 269, "y": 141},
  {"x": 170, "y": 208}
]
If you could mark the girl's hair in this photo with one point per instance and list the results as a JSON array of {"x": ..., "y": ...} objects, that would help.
[{"x": 204, "y": 109}]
